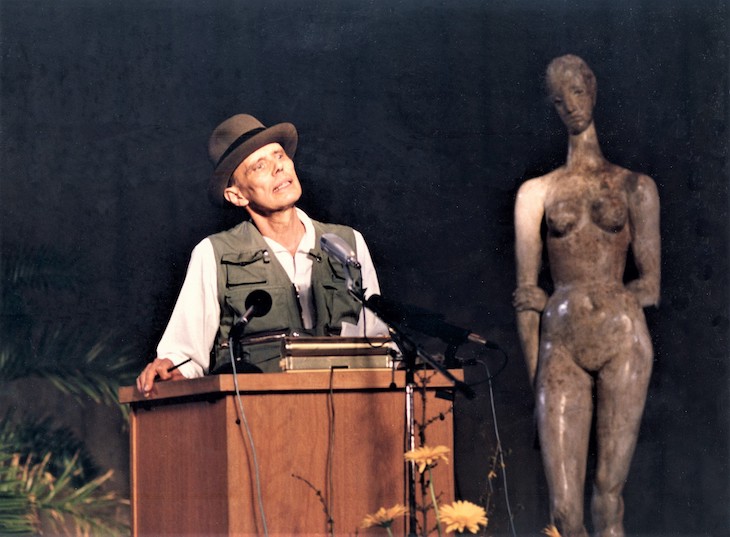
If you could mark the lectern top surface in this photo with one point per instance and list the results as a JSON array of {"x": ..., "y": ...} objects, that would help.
[{"x": 321, "y": 380}]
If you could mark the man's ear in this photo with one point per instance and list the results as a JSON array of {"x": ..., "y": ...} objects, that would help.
[{"x": 234, "y": 196}]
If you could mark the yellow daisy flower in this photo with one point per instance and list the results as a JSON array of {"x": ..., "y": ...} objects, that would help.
[
  {"x": 384, "y": 517},
  {"x": 462, "y": 515},
  {"x": 551, "y": 531},
  {"x": 426, "y": 457}
]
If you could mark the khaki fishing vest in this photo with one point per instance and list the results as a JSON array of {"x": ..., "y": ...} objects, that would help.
[{"x": 245, "y": 264}]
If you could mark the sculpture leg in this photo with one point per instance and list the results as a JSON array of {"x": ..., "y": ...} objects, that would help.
[
  {"x": 564, "y": 409},
  {"x": 621, "y": 394}
]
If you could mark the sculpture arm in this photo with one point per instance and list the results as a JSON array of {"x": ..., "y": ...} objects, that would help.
[
  {"x": 645, "y": 239},
  {"x": 528, "y": 299}
]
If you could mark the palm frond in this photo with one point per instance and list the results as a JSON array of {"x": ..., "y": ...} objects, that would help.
[
  {"x": 36, "y": 267},
  {"x": 30, "y": 437},
  {"x": 79, "y": 365},
  {"x": 16, "y": 509},
  {"x": 32, "y": 497}
]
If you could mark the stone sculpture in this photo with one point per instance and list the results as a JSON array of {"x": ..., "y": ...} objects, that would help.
[{"x": 586, "y": 346}]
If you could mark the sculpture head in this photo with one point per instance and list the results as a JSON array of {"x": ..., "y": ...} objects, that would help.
[{"x": 572, "y": 89}]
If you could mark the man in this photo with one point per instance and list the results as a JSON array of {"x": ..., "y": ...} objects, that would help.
[{"x": 276, "y": 251}]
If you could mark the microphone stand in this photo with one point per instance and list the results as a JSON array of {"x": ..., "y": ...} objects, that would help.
[{"x": 410, "y": 351}]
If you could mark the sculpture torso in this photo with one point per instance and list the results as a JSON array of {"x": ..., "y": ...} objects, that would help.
[{"x": 590, "y": 314}]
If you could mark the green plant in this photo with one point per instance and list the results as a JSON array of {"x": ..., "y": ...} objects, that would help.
[
  {"x": 31, "y": 498},
  {"x": 48, "y": 481},
  {"x": 16, "y": 511},
  {"x": 31, "y": 438},
  {"x": 84, "y": 366}
]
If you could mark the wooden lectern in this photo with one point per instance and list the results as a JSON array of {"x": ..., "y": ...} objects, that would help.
[{"x": 326, "y": 442}]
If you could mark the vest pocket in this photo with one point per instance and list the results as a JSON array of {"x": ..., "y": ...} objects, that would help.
[
  {"x": 279, "y": 317},
  {"x": 340, "y": 307},
  {"x": 248, "y": 268}
]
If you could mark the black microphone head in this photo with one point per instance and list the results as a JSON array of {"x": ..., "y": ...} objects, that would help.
[{"x": 260, "y": 300}]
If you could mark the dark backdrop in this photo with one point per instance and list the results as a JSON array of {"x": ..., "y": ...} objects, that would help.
[{"x": 418, "y": 122}]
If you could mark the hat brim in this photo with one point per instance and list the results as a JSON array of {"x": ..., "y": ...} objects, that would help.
[{"x": 284, "y": 134}]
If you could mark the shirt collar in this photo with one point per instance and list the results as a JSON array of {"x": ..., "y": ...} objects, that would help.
[{"x": 308, "y": 240}]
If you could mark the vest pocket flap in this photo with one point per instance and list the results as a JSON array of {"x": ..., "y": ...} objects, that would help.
[
  {"x": 245, "y": 268},
  {"x": 245, "y": 258},
  {"x": 249, "y": 275}
]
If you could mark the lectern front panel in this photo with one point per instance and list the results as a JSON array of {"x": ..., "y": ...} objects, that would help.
[{"x": 329, "y": 450}]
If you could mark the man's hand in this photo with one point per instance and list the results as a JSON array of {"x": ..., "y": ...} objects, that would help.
[{"x": 159, "y": 369}]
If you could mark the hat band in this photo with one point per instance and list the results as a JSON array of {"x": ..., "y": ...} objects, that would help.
[{"x": 238, "y": 142}]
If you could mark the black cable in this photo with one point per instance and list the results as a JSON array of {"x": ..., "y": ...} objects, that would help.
[
  {"x": 330, "y": 451},
  {"x": 250, "y": 438},
  {"x": 489, "y": 378}
]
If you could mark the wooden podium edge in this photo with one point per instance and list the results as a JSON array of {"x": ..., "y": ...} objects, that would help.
[{"x": 301, "y": 380}]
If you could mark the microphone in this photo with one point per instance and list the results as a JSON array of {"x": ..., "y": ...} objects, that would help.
[
  {"x": 258, "y": 304},
  {"x": 424, "y": 321},
  {"x": 337, "y": 247}
]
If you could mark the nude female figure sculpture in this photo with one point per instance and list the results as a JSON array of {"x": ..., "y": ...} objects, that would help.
[{"x": 590, "y": 334}]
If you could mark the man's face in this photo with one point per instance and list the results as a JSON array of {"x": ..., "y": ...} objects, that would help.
[
  {"x": 573, "y": 101},
  {"x": 265, "y": 182}
]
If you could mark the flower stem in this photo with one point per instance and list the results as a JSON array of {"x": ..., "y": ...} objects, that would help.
[
  {"x": 390, "y": 532},
  {"x": 433, "y": 500}
]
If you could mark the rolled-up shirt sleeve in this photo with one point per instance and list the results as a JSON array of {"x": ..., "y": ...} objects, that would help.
[{"x": 195, "y": 319}]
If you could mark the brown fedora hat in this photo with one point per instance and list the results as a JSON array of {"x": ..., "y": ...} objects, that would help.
[{"x": 235, "y": 139}]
